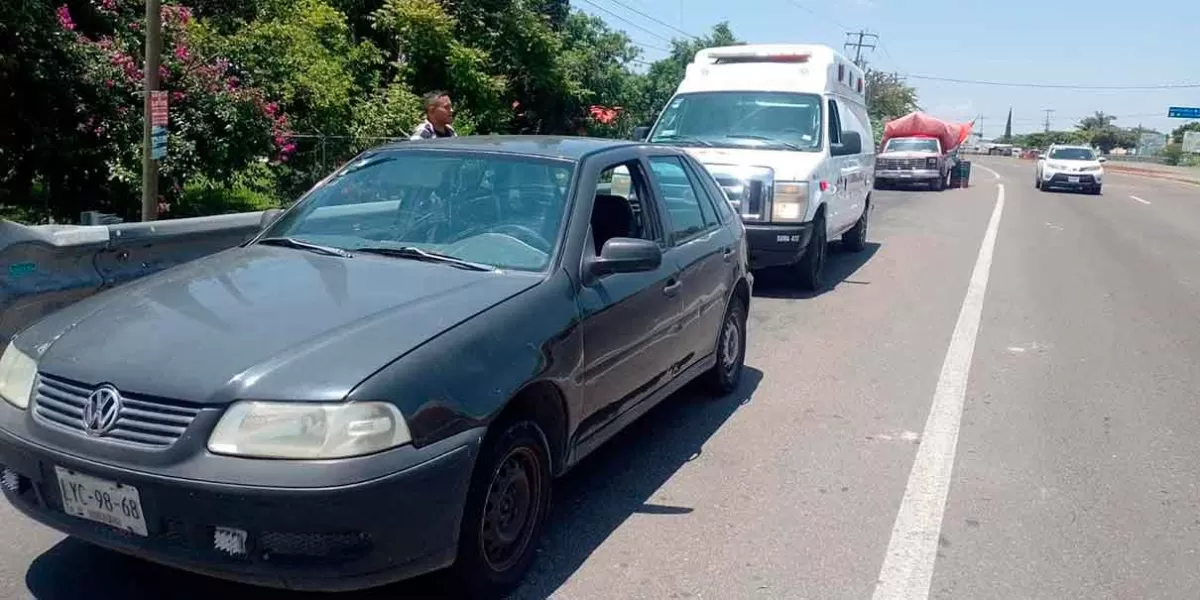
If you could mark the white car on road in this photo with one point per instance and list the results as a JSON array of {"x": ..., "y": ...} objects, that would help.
[{"x": 1072, "y": 167}]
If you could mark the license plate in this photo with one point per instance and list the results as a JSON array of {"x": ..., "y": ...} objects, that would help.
[
  {"x": 1072, "y": 180},
  {"x": 114, "y": 504}
]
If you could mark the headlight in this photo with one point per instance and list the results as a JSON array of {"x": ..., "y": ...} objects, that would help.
[
  {"x": 790, "y": 202},
  {"x": 1090, "y": 169},
  {"x": 17, "y": 373},
  {"x": 308, "y": 430}
]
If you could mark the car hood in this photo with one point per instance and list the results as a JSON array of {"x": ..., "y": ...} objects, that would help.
[
  {"x": 788, "y": 165},
  {"x": 262, "y": 322}
]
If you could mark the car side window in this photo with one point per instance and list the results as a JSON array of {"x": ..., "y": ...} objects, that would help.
[
  {"x": 619, "y": 210},
  {"x": 704, "y": 189},
  {"x": 686, "y": 214}
]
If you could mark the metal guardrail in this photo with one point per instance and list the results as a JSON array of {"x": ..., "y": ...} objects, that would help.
[{"x": 46, "y": 267}]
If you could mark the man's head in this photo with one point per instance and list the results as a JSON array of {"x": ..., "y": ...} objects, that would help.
[{"x": 438, "y": 108}]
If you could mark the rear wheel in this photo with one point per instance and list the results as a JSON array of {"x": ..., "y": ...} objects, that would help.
[
  {"x": 725, "y": 376},
  {"x": 505, "y": 512},
  {"x": 811, "y": 269}
]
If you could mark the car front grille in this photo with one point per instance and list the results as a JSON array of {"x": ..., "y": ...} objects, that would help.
[
  {"x": 749, "y": 189},
  {"x": 143, "y": 421},
  {"x": 901, "y": 164},
  {"x": 1061, "y": 178}
]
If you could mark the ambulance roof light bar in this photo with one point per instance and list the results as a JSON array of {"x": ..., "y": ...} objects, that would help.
[{"x": 724, "y": 56}]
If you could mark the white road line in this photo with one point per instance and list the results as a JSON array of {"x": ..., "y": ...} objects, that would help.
[
  {"x": 1140, "y": 200},
  {"x": 994, "y": 174},
  {"x": 907, "y": 571}
]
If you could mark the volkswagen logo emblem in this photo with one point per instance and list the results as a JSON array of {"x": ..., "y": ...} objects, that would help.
[{"x": 102, "y": 410}]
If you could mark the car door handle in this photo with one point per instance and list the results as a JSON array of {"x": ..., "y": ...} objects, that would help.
[
  {"x": 727, "y": 253},
  {"x": 672, "y": 287}
]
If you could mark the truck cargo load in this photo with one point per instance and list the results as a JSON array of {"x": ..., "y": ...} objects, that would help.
[{"x": 919, "y": 124}]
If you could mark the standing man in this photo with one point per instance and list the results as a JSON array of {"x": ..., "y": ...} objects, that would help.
[{"x": 439, "y": 114}]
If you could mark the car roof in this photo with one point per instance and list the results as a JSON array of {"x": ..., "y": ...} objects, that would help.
[
  {"x": 545, "y": 146},
  {"x": 1070, "y": 146}
]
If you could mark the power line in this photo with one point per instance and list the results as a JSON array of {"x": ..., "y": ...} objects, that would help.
[
  {"x": 1165, "y": 86},
  {"x": 624, "y": 20},
  {"x": 814, "y": 13},
  {"x": 640, "y": 13}
]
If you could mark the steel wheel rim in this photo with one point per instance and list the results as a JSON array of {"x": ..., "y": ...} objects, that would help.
[
  {"x": 511, "y": 509},
  {"x": 731, "y": 345}
]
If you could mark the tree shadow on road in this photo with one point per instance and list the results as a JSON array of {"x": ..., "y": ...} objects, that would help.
[
  {"x": 840, "y": 265},
  {"x": 589, "y": 504}
]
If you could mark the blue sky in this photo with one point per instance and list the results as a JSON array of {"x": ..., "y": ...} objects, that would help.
[{"x": 1069, "y": 42}]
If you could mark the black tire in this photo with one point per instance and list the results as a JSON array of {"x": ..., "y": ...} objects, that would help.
[
  {"x": 855, "y": 240},
  {"x": 938, "y": 184},
  {"x": 725, "y": 376},
  {"x": 810, "y": 271},
  {"x": 1037, "y": 183},
  {"x": 1095, "y": 191},
  {"x": 514, "y": 462}
]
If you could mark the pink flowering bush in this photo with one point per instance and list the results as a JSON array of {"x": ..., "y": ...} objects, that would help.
[{"x": 218, "y": 127}]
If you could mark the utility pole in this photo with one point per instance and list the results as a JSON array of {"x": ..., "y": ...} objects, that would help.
[
  {"x": 859, "y": 45},
  {"x": 1048, "y": 111},
  {"x": 150, "y": 81}
]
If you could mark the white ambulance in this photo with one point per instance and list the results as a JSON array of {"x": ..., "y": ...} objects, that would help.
[{"x": 784, "y": 129}]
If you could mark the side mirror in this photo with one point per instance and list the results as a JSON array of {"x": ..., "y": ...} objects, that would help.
[
  {"x": 640, "y": 133},
  {"x": 268, "y": 217},
  {"x": 627, "y": 255},
  {"x": 851, "y": 144},
  {"x": 1103, "y": 160}
]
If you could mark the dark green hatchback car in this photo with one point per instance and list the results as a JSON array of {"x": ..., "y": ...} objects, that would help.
[{"x": 385, "y": 380}]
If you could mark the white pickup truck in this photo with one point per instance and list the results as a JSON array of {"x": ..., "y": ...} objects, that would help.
[{"x": 913, "y": 160}]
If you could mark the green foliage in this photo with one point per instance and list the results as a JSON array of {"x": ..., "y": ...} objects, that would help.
[
  {"x": 1177, "y": 133},
  {"x": 268, "y": 96},
  {"x": 888, "y": 98}
]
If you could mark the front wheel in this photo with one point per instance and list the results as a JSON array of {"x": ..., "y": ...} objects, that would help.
[
  {"x": 505, "y": 512},
  {"x": 855, "y": 240},
  {"x": 1095, "y": 191},
  {"x": 725, "y": 376},
  {"x": 811, "y": 268}
]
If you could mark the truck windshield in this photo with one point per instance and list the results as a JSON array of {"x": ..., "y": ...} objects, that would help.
[
  {"x": 1072, "y": 154},
  {"x": 769, "y": 120},
  {"x": 912, "y": 145}
]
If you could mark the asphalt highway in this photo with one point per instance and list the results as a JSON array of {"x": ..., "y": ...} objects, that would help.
[{"x": 998, "y": 399}]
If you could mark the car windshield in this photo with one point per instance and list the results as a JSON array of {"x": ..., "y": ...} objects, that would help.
[
  {"x": 774, "y": 120},
  {"x": 1072, "y": 154},
  {"x": 490, "y": 209},
  {"x": 912, "y": 145}
]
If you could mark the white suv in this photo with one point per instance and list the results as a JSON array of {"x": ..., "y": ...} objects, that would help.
[{"x": 1072, "y": 167}]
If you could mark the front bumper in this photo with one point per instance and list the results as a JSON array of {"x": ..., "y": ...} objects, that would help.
[
  {"x": 1078, "y": 180},
  {"x": 777, "y": 245},
  {"x": 900, "y": 175},
  {"x": 339, "y": 538}
]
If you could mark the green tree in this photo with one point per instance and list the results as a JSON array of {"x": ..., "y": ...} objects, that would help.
[
  {"x": 1177, "y": 133},
  {"x": 664, "y": 76},
  {"x": 888, "y": 98}
]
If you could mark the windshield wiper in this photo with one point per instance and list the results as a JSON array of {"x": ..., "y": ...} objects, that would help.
[
  {"x": 425, "y": 255},
  {"x": 291, "y": 242},
  {"x": 687, "y": 139},
  {"x": 788, "y": 145}
]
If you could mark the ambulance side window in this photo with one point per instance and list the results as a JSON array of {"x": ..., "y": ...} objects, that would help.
[{"x": 835, "y": 124}]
